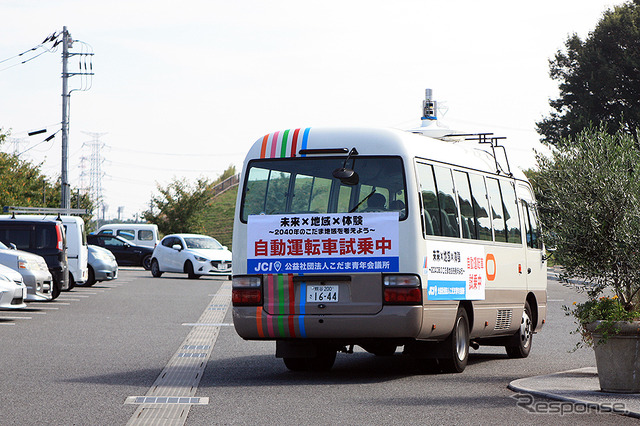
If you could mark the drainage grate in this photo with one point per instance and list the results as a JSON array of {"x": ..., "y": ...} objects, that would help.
[
  {"x": 192, "y": 355},
  {"x": 167, "y": 400},
  {"x": 196, "y": 347}
]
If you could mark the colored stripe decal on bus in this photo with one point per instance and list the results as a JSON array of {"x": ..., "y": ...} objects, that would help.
[
  {"x": 263, "y": 149},
  {"x": 269, "y": 148},
  {"x": 270, "y": 298},
  {"x": 274, "y": 144},
  {"x": 294, "y": 143},
  {"x": 305, "y": 138},
  {"x": 292, "y": 307},
  {"x": 303, "y": 298},
  {"x": 259, "y": 320},
  {"x": 283, "y": 148},
  {"x": 281, "y": 309}
]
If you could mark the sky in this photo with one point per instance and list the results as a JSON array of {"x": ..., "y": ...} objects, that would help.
[{"x": 183, "y": 89}]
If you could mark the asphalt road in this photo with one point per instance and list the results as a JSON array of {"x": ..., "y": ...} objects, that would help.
[{"x": 77, "y": 360}]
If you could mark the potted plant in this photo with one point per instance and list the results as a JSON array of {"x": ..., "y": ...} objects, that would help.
[{"x": 588, "y": 192}]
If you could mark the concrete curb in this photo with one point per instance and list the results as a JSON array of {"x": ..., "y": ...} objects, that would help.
[{"x": 579, "y": 386}]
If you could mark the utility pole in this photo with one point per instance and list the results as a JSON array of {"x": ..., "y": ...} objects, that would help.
[
  {"x": 87, "y": 72},
  {"x": 65, "y": 194}
]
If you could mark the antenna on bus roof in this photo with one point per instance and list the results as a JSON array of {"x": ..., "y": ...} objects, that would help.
[
  {"x": 430, "y": 126},
  {"x": 429, "y": 107}
]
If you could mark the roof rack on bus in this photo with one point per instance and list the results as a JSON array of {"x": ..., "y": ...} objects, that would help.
[{"x": 487, "y": 138}]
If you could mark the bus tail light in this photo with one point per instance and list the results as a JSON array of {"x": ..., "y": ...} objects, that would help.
[
  {"x": 246, "y": 291},
  {"x": 402, "y": 290}
]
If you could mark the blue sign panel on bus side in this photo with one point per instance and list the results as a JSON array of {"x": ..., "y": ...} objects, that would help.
[{"x": 446, "y": 290}]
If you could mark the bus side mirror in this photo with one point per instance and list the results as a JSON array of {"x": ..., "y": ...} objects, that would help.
[{"x": 346, "y": 176}]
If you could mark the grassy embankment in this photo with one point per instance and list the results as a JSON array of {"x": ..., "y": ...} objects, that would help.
[{"x": 217, "y": 219}]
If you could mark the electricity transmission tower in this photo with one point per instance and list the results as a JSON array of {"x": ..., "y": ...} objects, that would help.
[{"x": 95, "y": 172}]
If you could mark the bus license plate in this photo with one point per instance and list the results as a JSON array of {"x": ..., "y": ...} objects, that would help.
[{"x": 322, "y": 293}]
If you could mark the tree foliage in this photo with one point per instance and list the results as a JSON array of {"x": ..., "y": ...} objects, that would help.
[
  {"x": 23, "y": 184},
  {"x": 178, "y": 205},
  {"x": 588, "y": 193},
  {"x": 599, "y": 78}
]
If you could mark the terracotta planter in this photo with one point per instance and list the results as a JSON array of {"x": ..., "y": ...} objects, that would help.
[{"x": 618, "y": 359}]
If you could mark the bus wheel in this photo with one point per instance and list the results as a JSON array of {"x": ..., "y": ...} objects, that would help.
[
  {"x": 457, "y": 345},
  {"x": 520, "y": 344}
]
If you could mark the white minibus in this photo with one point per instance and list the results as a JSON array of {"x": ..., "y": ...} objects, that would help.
[{"x": 384, "y": 239}]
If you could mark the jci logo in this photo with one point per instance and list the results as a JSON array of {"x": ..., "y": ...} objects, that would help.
[{"x": 268, "y": 267}]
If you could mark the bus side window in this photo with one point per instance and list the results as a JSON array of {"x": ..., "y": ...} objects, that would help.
[
  {"x": 531, "y": 225},
  {"x": 512, "y": 217},
  {"x": 481, "y": 207},
  {"x": 497, "y": 210},
  {"x": 447, "y": 201},
  {"x": 466, "y": 206},
  {"x": 430, "y": 207},
  {"x": 255, "y": 192},
  {"x": 535, "y": 228}
]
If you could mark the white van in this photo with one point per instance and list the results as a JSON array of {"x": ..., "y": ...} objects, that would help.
[
  {"x": 77, "y": 252},
  {"x": 141, "y": 234}
]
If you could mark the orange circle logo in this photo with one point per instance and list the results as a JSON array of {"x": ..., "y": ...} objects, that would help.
[{"x": 491, "y": 259}]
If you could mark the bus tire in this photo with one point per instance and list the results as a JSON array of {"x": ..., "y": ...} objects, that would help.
[
  {"x": 520, "y": 344},
  {"x": 457, "y": 344}
]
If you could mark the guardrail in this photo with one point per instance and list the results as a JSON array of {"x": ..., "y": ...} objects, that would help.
[{"x": 226, "y": 184}]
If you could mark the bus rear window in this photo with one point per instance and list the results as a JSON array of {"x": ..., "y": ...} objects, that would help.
[{"x": 306, "y": 185}]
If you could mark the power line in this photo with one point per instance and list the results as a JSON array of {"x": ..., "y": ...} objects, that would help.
[
  {"x": 175, "y": 154},
  {"x": 52, "y": 38}
]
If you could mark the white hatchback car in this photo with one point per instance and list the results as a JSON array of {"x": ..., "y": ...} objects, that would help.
[
  {"x": 192, "y": 254},
  {"x": 12, "y": 289}
]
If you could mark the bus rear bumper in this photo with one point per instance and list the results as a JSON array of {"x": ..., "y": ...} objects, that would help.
[{"x": 252, "y": 323}]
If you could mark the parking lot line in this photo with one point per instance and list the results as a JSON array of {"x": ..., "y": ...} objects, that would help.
[{"x": 45, "y": 308}]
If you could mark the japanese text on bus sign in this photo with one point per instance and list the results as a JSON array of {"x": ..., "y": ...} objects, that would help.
[
  {"x": 333, "y": 242},
  {"x": 455, "y": 272}
]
